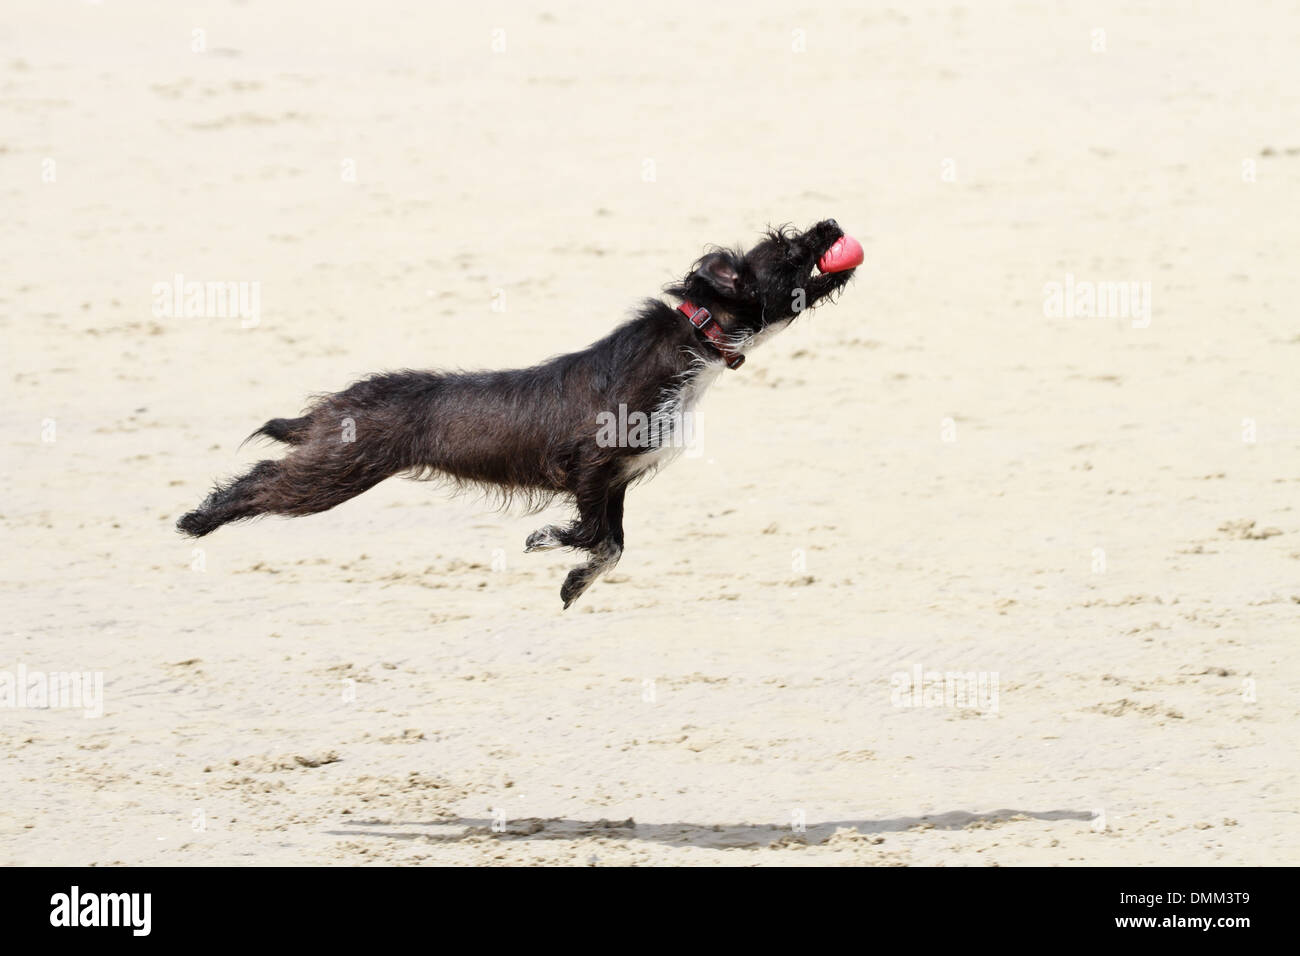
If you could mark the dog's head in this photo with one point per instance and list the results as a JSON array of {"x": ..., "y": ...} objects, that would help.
[{"x": 771, "y": 283}]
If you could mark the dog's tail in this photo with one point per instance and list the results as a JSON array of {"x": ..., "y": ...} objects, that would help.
[{"x": 291, "y": 431}]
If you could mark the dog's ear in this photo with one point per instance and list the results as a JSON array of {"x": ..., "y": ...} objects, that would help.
[{"x": 721, "y": 271}]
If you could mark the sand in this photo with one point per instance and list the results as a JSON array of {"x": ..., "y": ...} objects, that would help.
[{"x": 941, "y": 471}]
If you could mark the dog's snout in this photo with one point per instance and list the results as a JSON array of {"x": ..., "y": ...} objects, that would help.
[{"x": 829, "y": 229}]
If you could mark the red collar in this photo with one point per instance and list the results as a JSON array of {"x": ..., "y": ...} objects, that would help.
[{"x": 708, "y": 326}]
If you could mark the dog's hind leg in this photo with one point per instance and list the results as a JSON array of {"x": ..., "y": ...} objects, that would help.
[
  {"x": 229, "y": 502},
  {"x": 313, "y": 478}
]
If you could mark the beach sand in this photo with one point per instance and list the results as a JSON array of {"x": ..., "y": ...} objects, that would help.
[{"x": 1094, "y": 515}]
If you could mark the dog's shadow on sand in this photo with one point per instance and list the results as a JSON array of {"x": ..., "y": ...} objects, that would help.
[{"x": 718, "y": 836}]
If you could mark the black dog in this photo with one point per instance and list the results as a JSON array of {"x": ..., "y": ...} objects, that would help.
[{"x": 538, "y": 432}]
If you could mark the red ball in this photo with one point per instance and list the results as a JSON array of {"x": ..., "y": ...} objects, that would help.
[{"x": 845, "y": 254}]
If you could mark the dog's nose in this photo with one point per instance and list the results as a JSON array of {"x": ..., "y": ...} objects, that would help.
[{"x": 832, "y": 222}]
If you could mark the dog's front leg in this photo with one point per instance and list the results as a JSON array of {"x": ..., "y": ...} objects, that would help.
[
  {"x": 598, "y": 490},
  {"x": 580, "y": 578},
  {"x": 547, "y": 539},
  {"x": 605, "y": 534},
  {"x": 598, "y": 531}
]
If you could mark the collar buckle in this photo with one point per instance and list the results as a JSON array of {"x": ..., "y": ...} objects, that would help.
[{"x": 704, "y": 322}]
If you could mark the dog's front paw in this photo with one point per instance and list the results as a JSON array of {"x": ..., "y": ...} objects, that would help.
[
  {"x": 578, "y": 581},
  {"x": 544, "y": 539}
]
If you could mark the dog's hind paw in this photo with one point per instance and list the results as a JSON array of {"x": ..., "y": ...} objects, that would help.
[{"x": 544, "y": 539}]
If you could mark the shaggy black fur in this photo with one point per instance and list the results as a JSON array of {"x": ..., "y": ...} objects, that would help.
[{"x": 530, "y": 433}]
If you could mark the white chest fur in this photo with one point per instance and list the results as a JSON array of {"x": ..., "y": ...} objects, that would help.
[{"x": 674, "y": 423}]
